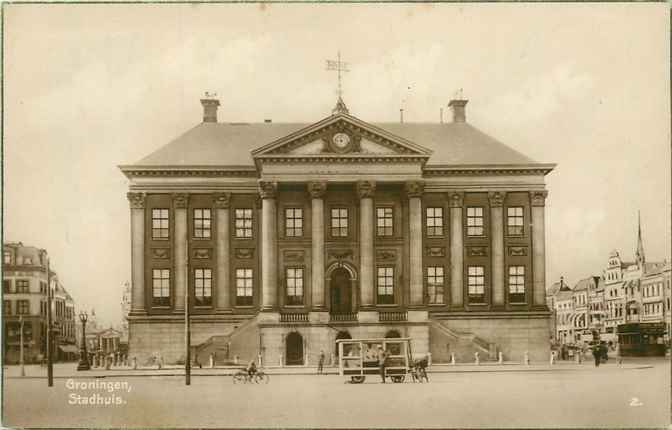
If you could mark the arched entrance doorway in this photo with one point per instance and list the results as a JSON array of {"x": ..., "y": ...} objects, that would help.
[
  {"x": 340, "y": 287},
  {"x": 294, "y": 349},
  {"x": 341, "y": 335}
]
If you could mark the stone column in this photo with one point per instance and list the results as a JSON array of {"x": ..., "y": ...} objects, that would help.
[
  {"x": 269, "y": 251},
  {"x": 137, "y": 203},
  {"x": 366, "y": 190},
  {"x": 180, "y": 245},
  {"x": 223, "y": 278},
  {"x": 414, "y": 192},
  {"x": 456, "y": 200},
  {"x": 497, "y": 231},
  {"x": 317, "y": 190},
  {"x": 538, "y": 200}
]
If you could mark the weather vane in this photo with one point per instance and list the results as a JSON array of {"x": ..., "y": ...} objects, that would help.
[{"x": 339, "y": 66}]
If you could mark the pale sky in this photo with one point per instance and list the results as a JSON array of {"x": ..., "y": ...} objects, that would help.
[{"x": 89, "y": 87}]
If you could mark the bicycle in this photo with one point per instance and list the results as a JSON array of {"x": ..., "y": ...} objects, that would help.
[{"x": 259, "y": 377}]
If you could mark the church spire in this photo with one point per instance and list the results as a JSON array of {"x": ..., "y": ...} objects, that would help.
[{"x": 640, "y": 245}]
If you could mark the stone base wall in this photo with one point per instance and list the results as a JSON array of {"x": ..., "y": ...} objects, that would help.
[
  {"x": 146, "y": 339},
  {"x": 511, "y": 336},
  {"x": 318, "y": 338}
]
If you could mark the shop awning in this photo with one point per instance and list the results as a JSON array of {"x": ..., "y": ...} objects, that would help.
[{"x": 68, "y": 348}]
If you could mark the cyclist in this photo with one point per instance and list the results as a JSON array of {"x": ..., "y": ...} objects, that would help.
[{"x": 251, "y": 369}]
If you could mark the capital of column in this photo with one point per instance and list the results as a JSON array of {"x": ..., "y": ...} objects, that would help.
[
  {"x": 414, "y": 188},
  {"x": 366, "y": 189},
  {"x": 221, "y": 200},
  {"x": 496, "y": 198},
  {"x": 538, "y": 198},
  {"x": 268, "y": 189},
  {"x": 317, "y": 189},
  {"x": 180, "y": 200},
  {"x": 136, "y": 200},
  {"x": 456, "y": 199}
]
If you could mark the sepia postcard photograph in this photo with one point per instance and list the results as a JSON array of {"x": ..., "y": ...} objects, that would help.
[{"x": 336, "y": 215}]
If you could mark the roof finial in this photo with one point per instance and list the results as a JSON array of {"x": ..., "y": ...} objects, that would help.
[
  {"x": 339, "y": 66},
  {"x": 641, "y": 259}
]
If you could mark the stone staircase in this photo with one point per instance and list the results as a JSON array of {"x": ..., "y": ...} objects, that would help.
[
  {"x": 242, "y": 342},
  {"x": 463, "y": 345}
]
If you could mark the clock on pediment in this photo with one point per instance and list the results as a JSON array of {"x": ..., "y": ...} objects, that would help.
[{"x": 342, "y": 142}]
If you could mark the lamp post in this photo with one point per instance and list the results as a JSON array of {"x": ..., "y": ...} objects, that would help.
[
  {"x": 23, "y": 368},
  {"x": 83, "y": 355}
]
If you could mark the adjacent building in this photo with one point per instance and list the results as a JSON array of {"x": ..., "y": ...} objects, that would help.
[
  {"x": 282, "y": 238},
  {"x": 24, "y": 283}
]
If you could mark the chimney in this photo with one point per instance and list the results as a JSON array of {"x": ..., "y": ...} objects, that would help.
[
  {"x": 210, "y": 104},
  {"x": 459, "y": 111}
]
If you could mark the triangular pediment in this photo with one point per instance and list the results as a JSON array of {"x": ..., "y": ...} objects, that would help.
[{"x": 341, "y": 135}]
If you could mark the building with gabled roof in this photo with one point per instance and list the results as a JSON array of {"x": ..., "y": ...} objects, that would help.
[{"x": 282, "y": 238}]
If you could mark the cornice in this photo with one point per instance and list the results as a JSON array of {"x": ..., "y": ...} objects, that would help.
[
  {"x": 488, "y": 170},
  {"x": 342, "y": 158},
  {"x": 189, "y": 171}
]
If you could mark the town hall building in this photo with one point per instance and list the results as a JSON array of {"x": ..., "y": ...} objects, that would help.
[{"x": 283, "y": 238}]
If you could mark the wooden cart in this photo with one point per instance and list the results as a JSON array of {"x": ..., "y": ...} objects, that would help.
[{"x": 359, "y": 357}]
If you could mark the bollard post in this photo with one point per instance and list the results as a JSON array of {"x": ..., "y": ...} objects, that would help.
[
  {"x": 135, "y": 363},
  {"x": 332, "y": 359},
  {"x": 305, "y": 360},
  {"x": 527, "y": 358},
  {"x": 452, "y": 358},
  {"x": 235, "y": 360},
  {"x": 477, "y": 360},
  {"x": 259, "y": 359},
  {"x": 500, "y": 359},
  {"x": 280, "y": 360},
  {"x": 429, "y": 359}
]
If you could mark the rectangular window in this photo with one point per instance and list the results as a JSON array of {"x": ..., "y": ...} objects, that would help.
[
  {"x": 23, "y": 307},
  {"x": 476, "y": 284},
  {"x": 385, "y": 285},
  {"x": 7, "y": 257},
  {"x": 203, "y": 287},
  {"x": 202, "y": 223},
  {"x": 517, "y": 284},
  {"x": 43, "y": 288},
  {"x": 161, "y": 287},
  {"x": 514, "y": 221},
  {"x": 22, "y": 286},
  {"x": 435, "y": 282},
  {"x": 160, "y": 224},
  {"x": 294, "y": 286},
  {"x": 6, "y": 286},
  {"x": 434, "y": 221},
  {"x": 293, "y": 222},
  {"x": 384, "y": 221},
  {"x": 6, "y": 307},
  {"x": 339, "y": 222},
  {"x": 244, "y": 287},
  {"x": 474, "y": 221},
  {"x": 243, "y": 223}
]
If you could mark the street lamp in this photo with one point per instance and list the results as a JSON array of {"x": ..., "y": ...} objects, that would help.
[{"x": 83, "y": 355}]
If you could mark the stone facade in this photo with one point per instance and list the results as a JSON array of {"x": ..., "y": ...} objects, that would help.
[{"x": 338, "y": 228}]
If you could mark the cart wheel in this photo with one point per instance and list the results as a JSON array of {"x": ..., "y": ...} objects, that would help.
[
  {"x": 398, "y": 379},
  {"x": 239, "y": 377},
  {"x": 357, "y": 379}
]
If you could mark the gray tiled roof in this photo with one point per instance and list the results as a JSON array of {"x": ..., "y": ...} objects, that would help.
[{"x": 230, "y": 144}]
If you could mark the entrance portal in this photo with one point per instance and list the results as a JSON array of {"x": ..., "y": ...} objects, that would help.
[
  {"x": 341, "y": 291},
  {"x": 294, "y": 349}
]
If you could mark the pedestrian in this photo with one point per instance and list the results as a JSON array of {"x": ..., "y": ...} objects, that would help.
[
  {"x": 382, "y": 356},
  {"x": 320, "y": 363},
  {"x": 619, "y": 357},
  {"x": 596, "y": 354}
]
